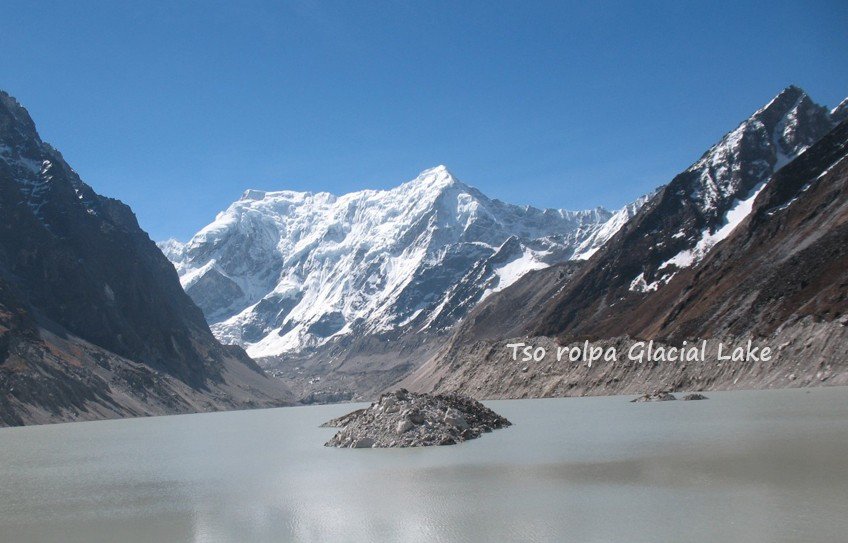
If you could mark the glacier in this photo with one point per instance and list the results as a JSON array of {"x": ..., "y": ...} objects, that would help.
[{"x": 288, "y": 272}]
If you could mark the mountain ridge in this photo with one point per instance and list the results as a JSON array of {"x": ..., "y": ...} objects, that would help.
[
  {"x": 419, "y": 225},
  {"x": 90, "y": 307},
  {"x": 696, "y": 205},
  {"x": 638, "y": 286}
]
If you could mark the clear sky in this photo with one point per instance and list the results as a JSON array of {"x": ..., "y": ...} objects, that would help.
[{"x": 177, "y": 109}]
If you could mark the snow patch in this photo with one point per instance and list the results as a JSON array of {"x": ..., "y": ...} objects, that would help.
[
  {"x": 737, "y": 213},
  {"x": 514, "y": 270}
]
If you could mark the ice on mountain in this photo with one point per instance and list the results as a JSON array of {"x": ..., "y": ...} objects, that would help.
[{"x": 374, "y": 260}]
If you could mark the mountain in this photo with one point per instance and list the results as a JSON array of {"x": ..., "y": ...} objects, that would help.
[
  {"x": 93, "y": 320},
  {"x": 840, "y": 112},
  {"x": 686, "y": 219},
  {"x": 749, "y": 242},
  {"x": 324, "y": 276}
]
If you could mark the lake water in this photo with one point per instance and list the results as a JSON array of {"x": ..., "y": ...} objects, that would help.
[{"x": 743, "y": 466}]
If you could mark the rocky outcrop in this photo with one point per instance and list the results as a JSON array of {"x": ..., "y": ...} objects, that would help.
[
  {"x": 405, "y": 419},
  {"x": 666, "y": 396},
  {"x": 344, "y": 420},
  {"x": 654, "y": 397}
]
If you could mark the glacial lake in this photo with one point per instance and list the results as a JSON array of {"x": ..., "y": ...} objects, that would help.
[{"x": 757, "y": 466}]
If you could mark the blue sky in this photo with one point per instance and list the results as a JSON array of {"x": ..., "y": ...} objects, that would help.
[{"x": 177, "y": 109}]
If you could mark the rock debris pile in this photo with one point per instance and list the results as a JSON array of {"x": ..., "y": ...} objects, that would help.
[{"x": 407, "y": 419}]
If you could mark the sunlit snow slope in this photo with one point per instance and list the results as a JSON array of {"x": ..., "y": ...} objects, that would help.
[{"x": 288, "y": 271}]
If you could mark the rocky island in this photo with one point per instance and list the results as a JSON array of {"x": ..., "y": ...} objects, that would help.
[
  {"x": 660, "y": 396},
  {"x": 406, "y": 419},
  {"x": 666, "y": 396}
]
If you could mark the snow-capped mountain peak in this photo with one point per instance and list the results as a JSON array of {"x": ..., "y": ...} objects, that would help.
[
  {"x": 283, "y": 271},
  {"x": 840, "y": 112},
  {"x": 708, "y": 200}
]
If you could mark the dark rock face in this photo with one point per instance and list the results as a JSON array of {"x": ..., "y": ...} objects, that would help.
[
  {"x": 600, "y": 299},
  {"x": 787, "y": 261},
  {"x": 655, "y": 397},
  {"x": 695, "y": 396},
  {"x": 83, "y": 261},
  {"x": 639, "y": 261},
  {"x": 779, "y": 276},
  {"x": 213, "y": 291},
  {"x": 78, "y": 264},
  {"x": 405, "y": 419}
]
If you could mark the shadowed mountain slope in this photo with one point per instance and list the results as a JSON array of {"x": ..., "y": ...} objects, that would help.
[{"x": 93, "y": 320}]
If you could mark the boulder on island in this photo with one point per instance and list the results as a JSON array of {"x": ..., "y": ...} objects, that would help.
[
  {"x": 407, "y": 419},
  {"x": 695, "y": 396}
]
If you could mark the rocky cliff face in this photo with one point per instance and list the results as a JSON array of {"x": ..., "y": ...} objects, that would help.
[
  {"x": 83, "y": 287},
  {"x": 682, "y": 223},
  {"x": 729, "y": 249}
]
